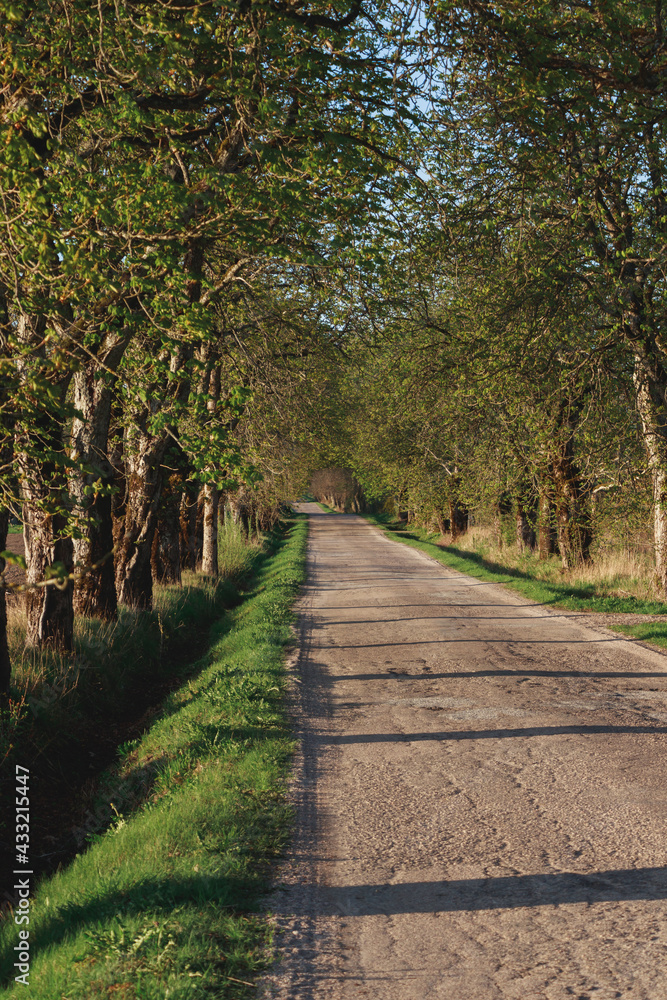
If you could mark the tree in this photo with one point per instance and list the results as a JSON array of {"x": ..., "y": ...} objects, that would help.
[
  {"x": 155, "y": 155},
  {"x": 560, "y": 110}
]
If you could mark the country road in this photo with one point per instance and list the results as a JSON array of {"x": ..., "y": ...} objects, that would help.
[{"x": 481, "y": 791}]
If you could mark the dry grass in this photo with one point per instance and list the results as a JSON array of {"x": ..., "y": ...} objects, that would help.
[{"x": 616, "y": 570}]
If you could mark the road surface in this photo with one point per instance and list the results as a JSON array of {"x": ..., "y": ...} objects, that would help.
[{"x": 481, "y": 791}]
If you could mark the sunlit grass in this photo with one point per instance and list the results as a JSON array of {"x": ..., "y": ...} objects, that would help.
[
  {"x": 235, "y": 551},
  {"x": 615, "y": 570}
]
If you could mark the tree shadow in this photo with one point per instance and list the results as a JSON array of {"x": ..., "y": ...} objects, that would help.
[
  {"x": 496, "y": 734},
  {"x": 479, "y": 640},
  {"x": 428, "y": 675},
  {"x": 496, "y": 619},
  {"x": 507, "y": 892}
]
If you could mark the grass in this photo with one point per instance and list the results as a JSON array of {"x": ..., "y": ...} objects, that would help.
[
  {"x": 161, "y": 904},
  {"x": 614, "y": 584},
  {"x": 236, "y": 554}
]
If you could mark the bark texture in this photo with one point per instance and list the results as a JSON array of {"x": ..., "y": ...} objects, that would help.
[
  {"x": 651, "y": 393},
  {"x": 5, "y": 662},
  {"x": 546, "y": 527},
  {"x": 458, "y": 518},
  {"x": 143, "y": 455},
  {"x": 526, "y": 536},
  {"x": 143, "y": 452},
  {"x": 43, "y": 486},
  {"x": 190, "y": 544},
  {"x": 571, "y": 498},
  {"x": 94, "y": 593},
  {"x": 49, "y": 609},
  {"x": 211, "y": 496}
]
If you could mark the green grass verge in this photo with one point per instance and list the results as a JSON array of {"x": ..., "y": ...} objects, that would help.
[
  {"x": 583, "y": 597},
  {"x": 652, "y": 632},
  {"x": 161, "y": 904}
]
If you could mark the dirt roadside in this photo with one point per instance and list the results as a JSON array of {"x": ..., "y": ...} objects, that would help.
[{"x": 481, "y": 791}]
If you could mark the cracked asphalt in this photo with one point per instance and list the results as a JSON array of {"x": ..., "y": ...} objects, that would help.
[{"x": 481, "y": 791}]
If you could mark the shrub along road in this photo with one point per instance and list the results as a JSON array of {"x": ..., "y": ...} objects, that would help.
[{"x": 481, "y": 790}]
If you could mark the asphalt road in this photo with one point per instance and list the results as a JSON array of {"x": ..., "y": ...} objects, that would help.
[{"x": 481, "y": 791}]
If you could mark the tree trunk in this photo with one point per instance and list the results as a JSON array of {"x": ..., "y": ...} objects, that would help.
[
  {"x": 166, "y": 549},
  {"x": 651, "y": 391},
  {"x": 188, "y": 530},
  {"x": 94, "y": 593},
  {"x": 144, "y": 452},
  {"x": 458, "y": 516},
  {"x": 42, "y": 481},
  {"x": 526, "y": 518},
  {"x": 573, "y": 526},
  {"x": 573, "y": 519},
  {"x": 143, "y": 455},
  {"x": 49, "y": 609},
  {"x": 525, "y": 531},
  {"x": 198, "y": 537},
  {"x": 546, "y": 529},
  {"x": 5, "y": 663},
  {"x": 210, "y": 539}
]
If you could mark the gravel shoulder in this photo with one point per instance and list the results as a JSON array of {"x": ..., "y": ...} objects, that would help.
[{"x": 480, "y": 791}]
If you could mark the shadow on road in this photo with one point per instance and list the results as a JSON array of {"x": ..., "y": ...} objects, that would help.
[
  {"x": 494, "y": 734},
  {"x": 453, "y": 674},
  {"x": 554, "y": 889}
]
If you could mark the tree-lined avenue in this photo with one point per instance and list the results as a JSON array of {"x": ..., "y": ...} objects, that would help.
[{"x": 480, "y": 792}]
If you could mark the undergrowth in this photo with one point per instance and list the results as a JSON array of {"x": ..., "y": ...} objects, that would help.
[
  {"x": 160, "y": 905},
  {"x": 58, "y": 692}
]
